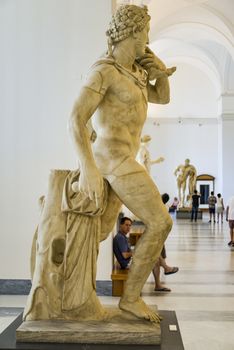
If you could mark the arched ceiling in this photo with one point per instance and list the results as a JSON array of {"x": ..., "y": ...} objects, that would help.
[{"x": 198, "y": 32}]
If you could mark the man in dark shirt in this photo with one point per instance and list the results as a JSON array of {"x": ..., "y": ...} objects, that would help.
[
  {"x": 121, "y": 247},
  {"x": 195, "y": 205},
  {"x": 211, "y": 202}
]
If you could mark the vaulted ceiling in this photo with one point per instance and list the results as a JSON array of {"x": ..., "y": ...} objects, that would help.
[{"x": 197, "y": 32}]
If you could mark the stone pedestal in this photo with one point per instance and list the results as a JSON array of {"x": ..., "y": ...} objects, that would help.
[
  {"x": 170, "y": 340},
  {"x": 185, "y": 213},
  {"x": 122, "y": 328}
]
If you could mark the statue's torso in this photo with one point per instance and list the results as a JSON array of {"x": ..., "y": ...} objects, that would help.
[{"x": 118, "y": 121}]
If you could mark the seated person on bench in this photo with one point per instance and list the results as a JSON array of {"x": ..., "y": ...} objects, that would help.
[
  {"x": 121, "y": 247},
  {"x": 174, "y": 205}
]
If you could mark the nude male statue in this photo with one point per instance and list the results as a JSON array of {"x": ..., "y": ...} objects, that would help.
[
  {"x": 143, "y": 155},
  {"x": 183, "y": 172},
  {"x": 118, "y": 90}
]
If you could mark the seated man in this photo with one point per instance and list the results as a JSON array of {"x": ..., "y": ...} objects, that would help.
[
  {"x": 174, "y": 205},
  {"x": 121, "y": 247}
]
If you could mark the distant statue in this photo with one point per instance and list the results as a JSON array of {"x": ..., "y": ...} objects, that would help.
[
  {"x": 81, "y": 207},
  {"x": 185, "y": 173},
  {"x": 143, "y": 155}
]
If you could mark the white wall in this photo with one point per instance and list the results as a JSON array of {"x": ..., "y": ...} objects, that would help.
[
  {"x": 192, "y": 95},
  {"x": 227, "y": 155},
  {"x": 46, "y": 49}
]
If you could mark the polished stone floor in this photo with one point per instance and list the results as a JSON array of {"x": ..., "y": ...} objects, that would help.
[{"x": 202, "y": 291}]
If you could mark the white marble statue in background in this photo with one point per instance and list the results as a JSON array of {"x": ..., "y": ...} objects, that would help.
[
  {"x": 143, "y": 155},
  {"x": 186, "y": 176},
  {"x": 81, "y": 208}
]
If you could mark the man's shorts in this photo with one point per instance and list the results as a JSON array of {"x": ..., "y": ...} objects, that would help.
[
  {"x": 231, "y": 224},
  {"x": 212, "y": 210}
]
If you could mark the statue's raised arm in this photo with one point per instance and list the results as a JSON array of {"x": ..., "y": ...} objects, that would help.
[{"x": 160, "y": 91}]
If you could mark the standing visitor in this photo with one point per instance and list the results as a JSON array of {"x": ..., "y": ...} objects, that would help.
[
  {"x": 230, "y": 219},
  {"x": 220, "y": 207},
  {"x": 195, "y": 205},
  {"x": 211, "y": 202}
]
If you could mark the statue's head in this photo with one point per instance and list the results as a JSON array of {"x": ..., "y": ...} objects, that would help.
[
  {"x": 187, "y": 161},
  {"x": 127, "y": 20}
]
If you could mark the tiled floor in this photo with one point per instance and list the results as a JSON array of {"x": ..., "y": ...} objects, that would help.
[{"x": 202, "y": 291}]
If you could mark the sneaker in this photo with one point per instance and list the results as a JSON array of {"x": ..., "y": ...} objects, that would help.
[
  {"x": 230, "y": 243},
  {"x": 209, "y": 220}
]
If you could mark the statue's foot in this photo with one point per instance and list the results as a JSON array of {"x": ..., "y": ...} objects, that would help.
[{"x": 139, "y": 309}]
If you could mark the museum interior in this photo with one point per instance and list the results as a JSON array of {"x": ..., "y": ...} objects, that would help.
[{"x": 47, "y": 49}]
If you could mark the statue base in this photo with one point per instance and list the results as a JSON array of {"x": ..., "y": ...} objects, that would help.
[
  {"x": 185, "y": 213},
  {"x": 122, "y": 328},
  {"x": 170, "y": 338}
]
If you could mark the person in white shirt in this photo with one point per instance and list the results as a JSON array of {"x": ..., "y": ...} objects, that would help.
[
  {"x": 230, "y": 219},
  {"x": 219, "y": 207}
]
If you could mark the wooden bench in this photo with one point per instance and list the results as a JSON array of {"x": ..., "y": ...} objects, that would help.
[{"x": 118, "y": 277}]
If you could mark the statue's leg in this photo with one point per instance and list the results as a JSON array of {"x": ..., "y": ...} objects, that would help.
[
  {"x": 139, "y": 193},
  {"x": 192, "y": 184},
  {"x": 183, "y": 192},
  {"x": 179, "y": 191},
  {"x": 110, "y": 216}
]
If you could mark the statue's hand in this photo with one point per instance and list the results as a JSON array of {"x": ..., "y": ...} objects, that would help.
[
  {"x": 170, "y": 71},
  {"x": 154, "y": 66},
  {"x": 91, "y": 184},
  {"x": 161, "y": 159}
]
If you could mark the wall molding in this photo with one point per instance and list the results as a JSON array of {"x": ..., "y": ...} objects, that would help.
[
  {"x": 23, "y": 286},
  {"x": 15, "y": 286},
  {"x": 184, "y": 120},
  {"x": 227, "y": 117}
]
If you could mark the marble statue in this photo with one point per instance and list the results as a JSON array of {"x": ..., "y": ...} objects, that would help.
[
  {"x": 81, "y": 207},
  {"x": 185, "y": 173},
  {"x": 143, "y": 155}
]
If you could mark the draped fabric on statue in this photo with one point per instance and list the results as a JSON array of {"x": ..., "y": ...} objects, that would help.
[
  {"x": 65, "y": 249},
  {"x": 82, "y": 243}
]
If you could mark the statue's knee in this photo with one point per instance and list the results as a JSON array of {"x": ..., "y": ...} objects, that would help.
[
  {"x": 164, "y": 225},
  {"x": 168, "y": 224},
  {"x": 58, "y": 249}
]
